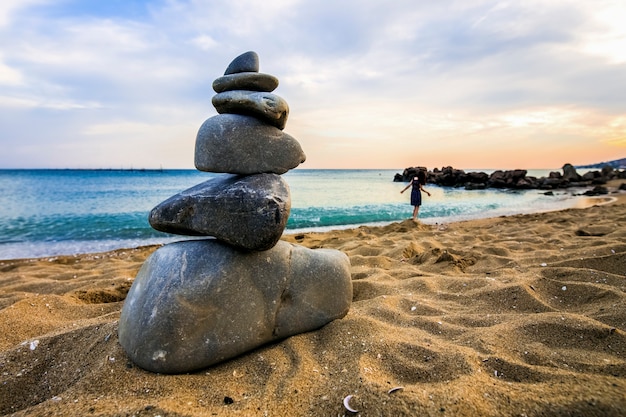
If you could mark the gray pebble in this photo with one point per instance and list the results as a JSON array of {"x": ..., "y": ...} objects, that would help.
[
  {"x": 248, "y": 212},
  {"x": 252, "y": 81},
  {"x": 267, "y": 107},
  {"x": 237, "y": 144}
]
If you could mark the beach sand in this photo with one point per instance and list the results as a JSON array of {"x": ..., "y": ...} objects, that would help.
[{"x": 512, "y": 316}]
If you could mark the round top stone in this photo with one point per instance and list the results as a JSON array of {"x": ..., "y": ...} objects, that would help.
[{"x": 246, "y": 62}]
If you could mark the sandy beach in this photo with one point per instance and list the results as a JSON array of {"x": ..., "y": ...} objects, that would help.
[{"x": 512, "y": 316}]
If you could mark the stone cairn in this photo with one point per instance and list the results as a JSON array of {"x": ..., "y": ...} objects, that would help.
[{"x": 198, "y": 302}]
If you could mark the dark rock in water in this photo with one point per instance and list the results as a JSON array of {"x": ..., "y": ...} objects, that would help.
[
  {"x": 512, "y": 179},
  {"x": 590, "y": 176},
  {"x": 607, "y": 170},
  {"x": 267, "y": 107},
  {"x": 551, "y": 183},
  {"x": 409, "y": 173},
  {"x": 247, "y": 212},
  {"x": 570, "y": 174},
  {"x": 237, "y": 144},
  {"x": 475, "y": 186},
  {"x": 197, "y": 303},
  {"x": 597, "y": 190},
  {"x": 477, "y": 178},
  {"x": 246, "y": 62},
  {"x": 596, "y": 177},
  {"x": 509, "y": 179},
  {"x": 252, "y": 81}
]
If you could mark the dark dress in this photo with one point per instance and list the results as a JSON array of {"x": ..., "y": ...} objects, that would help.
[{"x": 416, "y": 194}]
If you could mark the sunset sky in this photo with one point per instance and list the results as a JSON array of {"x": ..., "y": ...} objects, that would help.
[{"x": 370, "y": 84}]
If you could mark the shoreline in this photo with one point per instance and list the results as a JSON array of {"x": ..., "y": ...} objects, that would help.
[
  {"x": 583, "y": 203},
  {"x": 511, "y": 315},
  {"x": 577, "y": 201}
]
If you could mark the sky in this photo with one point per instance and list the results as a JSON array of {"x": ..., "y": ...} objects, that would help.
[{"x": 370, "y": 84}]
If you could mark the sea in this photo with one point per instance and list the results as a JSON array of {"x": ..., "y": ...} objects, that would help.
[{"x": 46, "y": 213}]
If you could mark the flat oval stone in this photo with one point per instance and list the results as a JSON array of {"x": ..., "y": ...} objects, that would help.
[
  {"x": 246, "y": 62},
  {"x": 267, "y": 107},
  {"x": 248, "y": 212},
  {"x": 252, "y": 81},
  {"x": 200, "y": 302},
  {"x": 237, "y": 144}
]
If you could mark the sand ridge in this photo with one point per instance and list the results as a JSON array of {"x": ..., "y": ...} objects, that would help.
[{"x": 517, "y": 315}]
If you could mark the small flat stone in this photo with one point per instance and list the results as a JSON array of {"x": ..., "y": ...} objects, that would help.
[
  {"x": 248, "y": 212},
  {"x": 267, "y": 107},
  {"x": 246, "y": 62},
  {"x": 252, "y": 81},
  {"x": 236, "y": 144},
  {"x": 200, "y": 302}
]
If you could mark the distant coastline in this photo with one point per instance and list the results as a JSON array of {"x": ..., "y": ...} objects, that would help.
[{"x": 615, "y": 164}]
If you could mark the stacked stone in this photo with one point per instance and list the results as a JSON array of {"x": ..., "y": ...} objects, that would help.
[
  {"x": 199, "y": 302},
  {"x": 250, "y": 210}
]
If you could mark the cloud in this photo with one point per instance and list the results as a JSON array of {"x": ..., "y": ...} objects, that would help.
[
  {"x": 369, "y": 84},
  {"x": 8, "y": 9},
  {"x": 205, "y": 42},
  {"x": 607, "y": 38}
]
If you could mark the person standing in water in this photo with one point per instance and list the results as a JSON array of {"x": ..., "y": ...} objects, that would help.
[{"x": 417, "y": 183}]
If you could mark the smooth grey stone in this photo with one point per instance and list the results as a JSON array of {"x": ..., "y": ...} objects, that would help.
[
  {"x": 267, "y": 107},
  {"x": 197, "y": 303},
  {"x": 252, "y": 81},
  {"x": 248, "y": 212},
  {"x": 246, "y": 62},
  {"x": 237, "y": 144}
]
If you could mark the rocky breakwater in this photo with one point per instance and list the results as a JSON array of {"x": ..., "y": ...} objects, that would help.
[
  {"x": 516, "y": 179},
  {"x": 195, "y": 303}
]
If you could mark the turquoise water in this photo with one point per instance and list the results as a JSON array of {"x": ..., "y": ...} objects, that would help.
[{"x": 54, "y": 212}]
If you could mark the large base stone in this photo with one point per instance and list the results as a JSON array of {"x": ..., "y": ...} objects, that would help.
[
  {"x": 248, "y": 212},
  {"x": 196, "y": 303}
]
